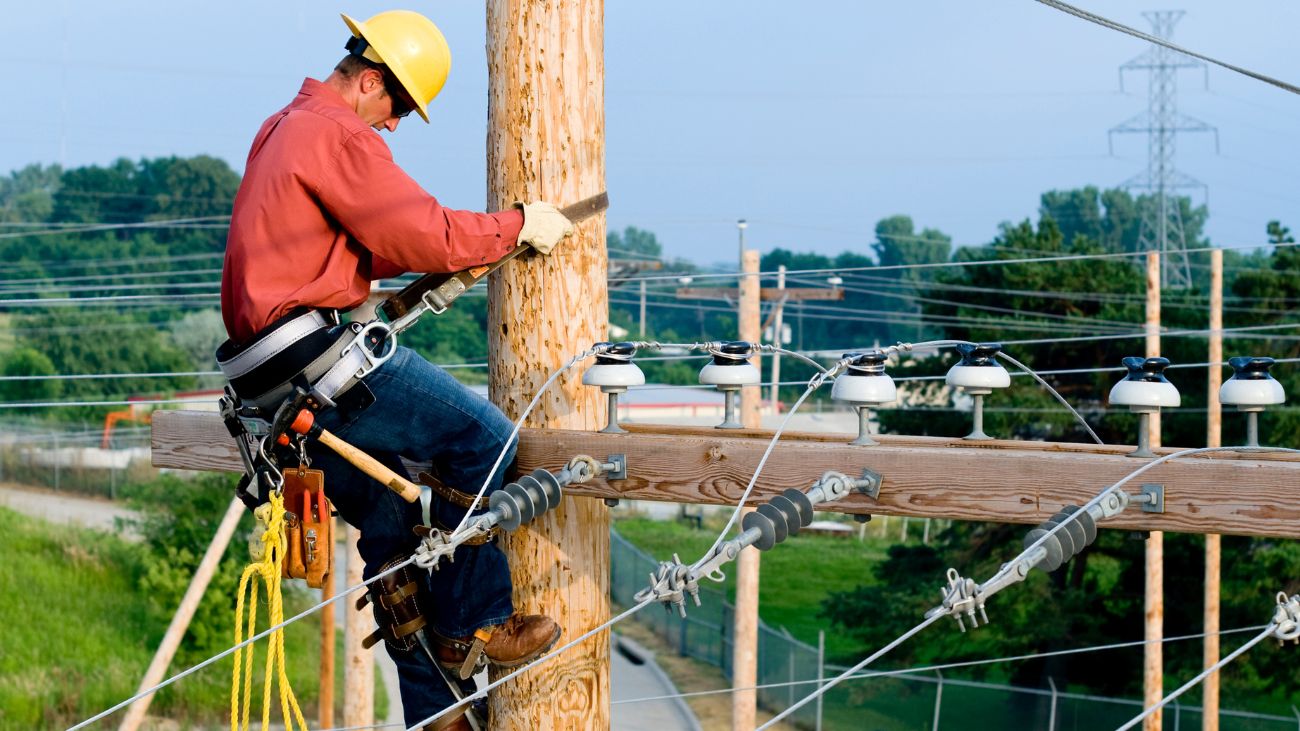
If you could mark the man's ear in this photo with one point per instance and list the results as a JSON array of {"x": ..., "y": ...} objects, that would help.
[{"x": 371, "y": 80}]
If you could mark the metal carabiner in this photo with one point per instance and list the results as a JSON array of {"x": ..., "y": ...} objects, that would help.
[{"x": 373, "y": 361}]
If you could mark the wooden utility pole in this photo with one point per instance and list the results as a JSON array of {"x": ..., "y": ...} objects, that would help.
[
  {"x": 1153, "y": 653},
  {"x": 777, "y": 325},
  {"x": 643, "y": 309},
  {"x": 546, "y": 141},
  {"x": 184, "y": 613},
  {"x": 1213, "y": 438},
  {"x": 358, "y": 663},
  {"x": 744, "y": 651},
  {"x": 325, "y": 710}
]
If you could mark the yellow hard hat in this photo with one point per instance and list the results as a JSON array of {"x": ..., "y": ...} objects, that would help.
[{"x": 412, "y": 47}]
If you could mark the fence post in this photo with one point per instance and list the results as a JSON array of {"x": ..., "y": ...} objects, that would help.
[
  {"x": 1051, "y": 716},
  {"x": 925, "y": 533},
  {"x": 56, "y": 461},
  {"x": 821, "y": 673},
  {"x": 1178, "y": 715},
  {"x": 938, "y": 700},
  {"x": 789, "y": 654},
  {"x": 902, "y": 537}
]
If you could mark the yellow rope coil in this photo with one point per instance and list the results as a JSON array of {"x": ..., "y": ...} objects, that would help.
[{"x": 270, "y": 519}]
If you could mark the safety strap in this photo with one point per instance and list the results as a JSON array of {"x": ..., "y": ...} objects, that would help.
[{"x": 473, "y": 650}]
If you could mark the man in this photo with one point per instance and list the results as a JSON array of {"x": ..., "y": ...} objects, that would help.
[{"x": 322, "y": 211}]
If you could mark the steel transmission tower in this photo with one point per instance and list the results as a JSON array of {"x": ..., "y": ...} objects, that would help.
[{"x": 1162, "y": 220}]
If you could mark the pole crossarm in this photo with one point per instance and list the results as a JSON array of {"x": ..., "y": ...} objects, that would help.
[{"x": 923, "y": 477}]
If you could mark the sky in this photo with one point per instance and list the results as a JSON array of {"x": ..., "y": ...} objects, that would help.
[{"x": 810, "y": 120}]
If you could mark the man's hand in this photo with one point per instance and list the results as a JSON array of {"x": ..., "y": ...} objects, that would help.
[{"x": 544, "y": 226}]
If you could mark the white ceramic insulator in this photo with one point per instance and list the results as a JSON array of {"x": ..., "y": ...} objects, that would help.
[
  {"x": 1145, "y": 393},
  {"x": 618, "y": 375},
  {"x": 991, "y": 376},
  {"x": 864, "y": 390},
  {"x": 729, "y": 375},
  {"x": 1251, "y": 392}
]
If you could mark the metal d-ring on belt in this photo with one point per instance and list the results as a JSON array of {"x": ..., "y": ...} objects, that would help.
[{"x": 305, "y": 347}]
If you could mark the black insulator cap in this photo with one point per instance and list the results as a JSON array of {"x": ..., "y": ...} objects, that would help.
[
  {"x": 1150, "y": 370},
  {"x": 735, "y": 352},
  {"x": 616, "y": 353},
  {"x": 978, "y": 354},
  {"x": 1247, "y": 368},
  {"x": 870, "y": 363}
]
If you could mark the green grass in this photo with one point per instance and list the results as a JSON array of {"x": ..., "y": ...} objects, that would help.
[
  {"x": 793, "y": 581},
  {"x": 76, "y": 637}
]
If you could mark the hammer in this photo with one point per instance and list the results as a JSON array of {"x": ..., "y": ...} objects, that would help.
[{"x": 305, "y": 423}]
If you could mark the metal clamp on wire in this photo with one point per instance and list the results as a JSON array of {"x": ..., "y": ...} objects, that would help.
[
  {"x": 513, "y": 505},
  {"x": 770, "y": 524},
  {"x": 1287, "y": 618},
  {"x": 670, "y": 585},
  {"x": 961, "y": 597}
]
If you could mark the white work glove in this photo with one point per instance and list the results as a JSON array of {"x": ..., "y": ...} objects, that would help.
[{"x": 544, "y": 226}]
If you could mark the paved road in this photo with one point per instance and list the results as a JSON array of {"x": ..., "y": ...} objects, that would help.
[
  {"x": 63, "y": 507},
  {"x": 634, "y": 675}
]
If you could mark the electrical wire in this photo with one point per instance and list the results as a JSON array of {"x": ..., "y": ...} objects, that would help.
[
  {"x": 225, "y": 653},
  {"x": 481, "y": 692},
  {"x": 1107, "y": 23},
  {"x": 943, "y": 666},
  {"x": 850, "y": 672},
  {"x": 1268, "y": 631}
]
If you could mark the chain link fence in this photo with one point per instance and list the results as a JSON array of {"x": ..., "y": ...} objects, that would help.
[{"x": 789, "y": 670}]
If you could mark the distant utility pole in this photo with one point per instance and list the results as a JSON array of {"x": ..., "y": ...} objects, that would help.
[{"x": 1162, "y": 222}]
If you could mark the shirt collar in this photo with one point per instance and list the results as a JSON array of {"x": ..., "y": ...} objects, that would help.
[{"x": 322, "y": 92}]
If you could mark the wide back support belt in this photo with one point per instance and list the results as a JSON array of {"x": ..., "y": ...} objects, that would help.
[{"x": 305, "y": 349}]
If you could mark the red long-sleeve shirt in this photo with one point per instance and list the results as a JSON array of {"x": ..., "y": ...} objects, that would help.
[{"x": 323, "y": 210}]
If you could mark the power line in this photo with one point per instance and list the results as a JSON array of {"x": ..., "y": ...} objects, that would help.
[
  {"x": 946, "y": 666},
  {"x": 1104, "y": 22}
]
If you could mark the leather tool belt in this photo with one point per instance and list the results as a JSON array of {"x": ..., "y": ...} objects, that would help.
[{"x": 400, "y": 603}]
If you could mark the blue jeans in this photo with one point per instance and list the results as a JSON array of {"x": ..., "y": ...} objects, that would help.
[{"x": 423, "y": 414}]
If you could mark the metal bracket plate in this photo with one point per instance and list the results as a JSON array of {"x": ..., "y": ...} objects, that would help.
[
  {"x": 620, "y": 467},
  {"x": 872, "y": 488},
  {"x": 1155, "y": 498}
]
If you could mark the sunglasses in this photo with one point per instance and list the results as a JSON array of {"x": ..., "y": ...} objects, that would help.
[{"x": 402, "y": 104}]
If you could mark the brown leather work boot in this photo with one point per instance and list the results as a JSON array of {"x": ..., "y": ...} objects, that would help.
[{"x": 520, "y": 639}]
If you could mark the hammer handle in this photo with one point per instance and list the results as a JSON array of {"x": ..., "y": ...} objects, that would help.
[{"x": 409, "y": 491}]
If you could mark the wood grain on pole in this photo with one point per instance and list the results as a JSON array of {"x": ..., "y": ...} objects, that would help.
[
  {"x": 744, "y": 649},
  {"x": 184, "y": 613},
  {"x": 1154, "y": 604},
  {"x": 1000, "y": 480},
  {"x": 358, "y": 663},
  {"x": 1213, "y": 544},
  {"x": 546, "y": 141}
]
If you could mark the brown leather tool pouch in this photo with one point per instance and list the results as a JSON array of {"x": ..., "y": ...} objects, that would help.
[
  {"x": 309, "y": 534},
  {"x": 400, "y": 602}
]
